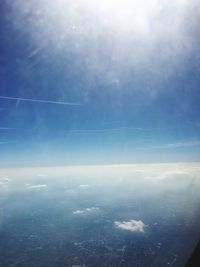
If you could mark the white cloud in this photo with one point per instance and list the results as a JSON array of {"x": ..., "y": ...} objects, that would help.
[
  {"x": 78, "y": 212},
  {"x": 83, "y": 185},
  {"x": 37, "y": 186},
  {"x": 4, "y": 180},
  {"x": 42, "y": 175},
  {"x": 92, "y": 209},
  {"x": 86, "y": 211},
  {"x": 112, "y": 170},
  {"x": 168, "y": 175},
  {"x": 132, "y": 225}
]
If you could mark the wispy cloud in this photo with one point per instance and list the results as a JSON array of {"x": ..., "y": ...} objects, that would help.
[
  {"x": 3, "y": 142},
  {"x": 40, "y": 101},
  {"x": 132, "y": 225},
  {"x": 178, "y": 144}
]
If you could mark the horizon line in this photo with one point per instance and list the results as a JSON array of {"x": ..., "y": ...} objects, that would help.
[{"x": 103, "y": 165}]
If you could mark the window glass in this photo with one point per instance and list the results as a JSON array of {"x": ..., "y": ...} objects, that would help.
[{"x": 99, "y": 132}]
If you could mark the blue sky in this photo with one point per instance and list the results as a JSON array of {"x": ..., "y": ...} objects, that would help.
[{"x": 99, "y": 84}]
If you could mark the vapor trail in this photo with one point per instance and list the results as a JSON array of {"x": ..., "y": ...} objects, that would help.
[
  {"x": 7, "y": 128},
  {"x": 105, "y": 130},
  {"x": 40, "y": 101}
]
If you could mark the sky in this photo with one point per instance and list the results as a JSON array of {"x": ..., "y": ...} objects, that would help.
[{"x": 99, "y": 82}]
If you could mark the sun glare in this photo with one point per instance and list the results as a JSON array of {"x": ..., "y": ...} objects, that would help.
[
  {"x": 134, "y": 15},
  {"x": 128, "y": 15}
]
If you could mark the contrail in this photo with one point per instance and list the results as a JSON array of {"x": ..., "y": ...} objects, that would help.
[
  {"x": 7, "y": 128},
  {"x": 12, "y": 129},
  {"x": 102, "y": 130},
  {"x": 40, "y": 101},
  {"x": 105, "y": 130}
]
